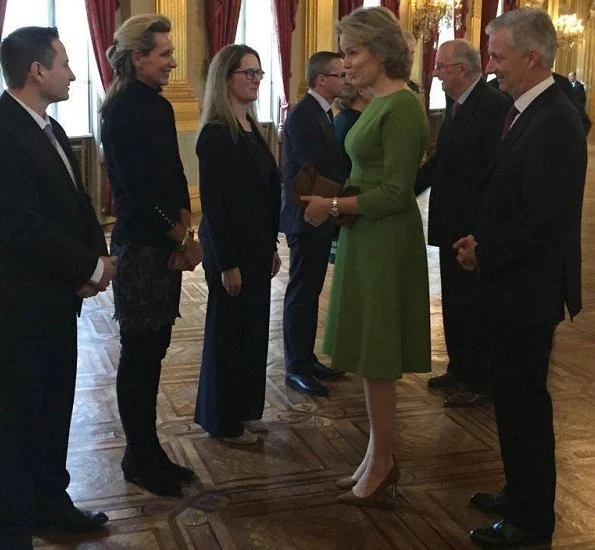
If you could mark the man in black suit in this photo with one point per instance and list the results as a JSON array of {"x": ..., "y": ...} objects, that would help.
[
  {"x": 467, "y": 138},
  {"x": 53, "y": 255},
  {"x": 578, "y": 88},
  {"x": 526, "y": 247},
  {"x": 308, "y": 136}
]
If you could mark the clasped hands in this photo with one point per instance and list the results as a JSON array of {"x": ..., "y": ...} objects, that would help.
[
  {"x": 90, "y": 289},
  {"x": 318, "y": 209},
  {"x": 465, "y": 248}
]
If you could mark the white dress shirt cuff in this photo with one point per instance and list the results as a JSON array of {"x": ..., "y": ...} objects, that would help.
[{"x": 98, "y": 273}]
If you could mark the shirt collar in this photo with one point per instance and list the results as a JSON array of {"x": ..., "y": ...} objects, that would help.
[
  {"x": 43, "y": 121},
  {"x": 468, "y": 91},
  {"x": 323, "y": 102},
  {"x": 529, "y": 96}
]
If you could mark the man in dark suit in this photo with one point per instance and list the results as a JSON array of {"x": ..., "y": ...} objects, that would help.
[
  {"x": 526, "y": 246},
  {"x": 308, "y": 136},
  {"x": 467, "y": 138},
  {"x": 53, "y": 255},
  {"x": 578, "y": 88}
]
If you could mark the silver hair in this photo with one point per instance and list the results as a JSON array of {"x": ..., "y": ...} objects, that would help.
[
  {"x": 531, "y": 29},
  {"x": 464, "y": 52}
]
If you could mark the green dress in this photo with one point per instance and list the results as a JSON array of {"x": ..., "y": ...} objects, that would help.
[{"x": 378, "y": 323}]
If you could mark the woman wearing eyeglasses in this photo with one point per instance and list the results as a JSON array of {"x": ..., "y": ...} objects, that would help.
[{"x": 240, "y": 197}]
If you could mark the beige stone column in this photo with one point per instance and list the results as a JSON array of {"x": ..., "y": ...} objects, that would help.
[{"x": 179, "y": 92}]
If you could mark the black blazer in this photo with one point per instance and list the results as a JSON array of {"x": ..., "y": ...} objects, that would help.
[
  {"x": 463, "y": 150},
  {"x": 308, "y": 136},
  {"x": 50, "y": 239},
  {"x": 240, "y": 198},
  {"x": 529, "y": 226}
]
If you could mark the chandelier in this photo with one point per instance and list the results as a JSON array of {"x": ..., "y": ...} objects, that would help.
[
  {"x": 569, "y": 30},
  {"x": 428, "y": 15}
]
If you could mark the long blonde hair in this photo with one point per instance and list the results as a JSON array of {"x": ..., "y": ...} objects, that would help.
[
  {"x": 135, "y": 34},
  {"x": 216, "y": 104}
]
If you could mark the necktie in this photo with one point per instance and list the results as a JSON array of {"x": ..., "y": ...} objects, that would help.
[
  {"x": 54, "y": 140},
  {"x": 330, "y": 116},
  {"x": 510, "y": 116},
  {"x": 454, "y": 109}
]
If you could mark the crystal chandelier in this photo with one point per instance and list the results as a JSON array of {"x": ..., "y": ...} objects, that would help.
[
  {"x": 569, "y": 30},
  {"x": 428, "y": 15}
]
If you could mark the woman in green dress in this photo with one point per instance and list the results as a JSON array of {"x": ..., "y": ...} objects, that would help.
[{"x": 378, "y": 320}]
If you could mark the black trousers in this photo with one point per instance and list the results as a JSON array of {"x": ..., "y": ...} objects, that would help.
[
  {"x": 36, "y": 398},
  {"x": 308, "y": 262},
  {"x": 464, "y": 327},
  {"x": 137, "y": 385},
  {"x": 234, "y": 358},
  {"x": 525, "y": 422}
]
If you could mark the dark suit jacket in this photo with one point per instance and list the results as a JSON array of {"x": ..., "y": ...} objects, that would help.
[
  {"x": 579, "y": 91},
  {"x": 528, "y": 231},
  {"x": 240, "y": 198},
  {"x": 463, "y": 149},
  {"x": 50, "y": 238},
  {"x": 308, "y": 136}
]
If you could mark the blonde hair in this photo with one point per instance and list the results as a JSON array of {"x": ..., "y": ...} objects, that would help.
[
  {"x": 135, "y": 34},
  {"x": 216, "y": 104},
  {"x": 379, "y": 30}
]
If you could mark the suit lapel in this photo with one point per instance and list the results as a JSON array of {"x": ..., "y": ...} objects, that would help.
[
  {"x": 466, "y": 110},
  {"x": 321, "y": 117}
]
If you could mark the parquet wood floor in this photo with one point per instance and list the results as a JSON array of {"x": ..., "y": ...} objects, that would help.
[{"x": 279, "y": 495}]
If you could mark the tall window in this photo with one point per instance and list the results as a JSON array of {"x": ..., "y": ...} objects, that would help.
[
  {"x": 256, "y": 29},
  {"x": 371, "y": 3},
  {"x": 437, "y": 97},
  {"x": 71, "y": 19}
]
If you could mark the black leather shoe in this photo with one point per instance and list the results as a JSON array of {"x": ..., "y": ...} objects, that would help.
[
  {"x": 158, "y": 480},
  {"x": 306, "y": 383},
  {"x": 466, "y": 399},
  {"x": 503, "y": 534},
  {"x": 178, "y": 472},
  {"x": 75, "y": 520},
  {"x": 322, "y": 372},
  {"x": 490, "y": 503},
  {"x": 442, "y": 381}
]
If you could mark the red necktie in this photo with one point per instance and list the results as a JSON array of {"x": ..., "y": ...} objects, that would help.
[
  {"x": 454, "y": 109},
  {"x": 510, "y": 116}
]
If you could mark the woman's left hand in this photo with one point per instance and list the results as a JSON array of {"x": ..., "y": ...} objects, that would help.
[
  {"x": 318, "y": 209},
  {"x": 276, "y": 265}
]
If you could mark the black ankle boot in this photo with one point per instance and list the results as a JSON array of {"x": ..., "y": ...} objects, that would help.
[
  {"x": 178, "y": 472},
  {"x": 156, "y": 480}
]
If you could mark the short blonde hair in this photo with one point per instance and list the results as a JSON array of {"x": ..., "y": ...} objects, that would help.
[{"x": 379, "y": 30}]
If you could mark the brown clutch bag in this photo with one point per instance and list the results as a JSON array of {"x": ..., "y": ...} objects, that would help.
[{"x": 309, "y": 182}]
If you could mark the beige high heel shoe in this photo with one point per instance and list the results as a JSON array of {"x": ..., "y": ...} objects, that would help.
[{"x": 346, "y": 482}]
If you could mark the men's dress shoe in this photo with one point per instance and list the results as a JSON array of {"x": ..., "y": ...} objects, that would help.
[
  {"x": 158, "y": 480},
  {"x": 446, "y": 380},
  {"x": 75, "y": 520},
  {"x": 490, "y": 503},
  {"x": 322, "y": 372},
  {"x": 306, "y": 383},
  {"x": 466, "y": 399},
  {"x": 503, "y": 534}
]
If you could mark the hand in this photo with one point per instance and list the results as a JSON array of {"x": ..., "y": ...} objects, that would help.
[
  {"x": 465, "y": 248},
  {"x": 276, "y": 266},
  {"x": 109, "y": 270},
  {"x": 87, "y": 290},
  {"x": 193, "y": 253},
  {"x": 177, "y": 233},
  {"x": 318, "y": 209},
  {"x": 185, "y": 217},
  {"x": 232, "y": 281},
  {"x": 177, "y": 261}
]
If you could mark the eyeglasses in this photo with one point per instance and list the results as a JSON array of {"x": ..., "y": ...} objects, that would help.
[
  {"x": 338, "y": 75},
  {"x": 251, "y": 74},
  {"x": 440, "y": 66}
]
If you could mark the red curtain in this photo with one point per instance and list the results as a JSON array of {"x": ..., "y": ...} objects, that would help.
[
  {"x": 347, "y": 6},
  {"x": 392, "y": 5},
  {"x": 101, "y": 15},
  {"x": 430, "y": 48},
  {"x": 509, "y": 5},
  {"x": 285, "y": 11},
  {"x": 2, "y": 14},
  {"x": 489, "y": 9},
  {"x": 222, "y": 23},
  {"x": 460, "y": 18}
]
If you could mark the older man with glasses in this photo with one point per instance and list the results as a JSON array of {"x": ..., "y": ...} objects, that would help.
[{"x": 468, "y": 136}]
